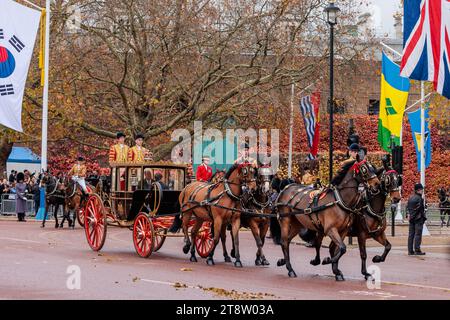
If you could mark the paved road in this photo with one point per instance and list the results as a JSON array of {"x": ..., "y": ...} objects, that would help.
[{"x": 34, "y": 264}]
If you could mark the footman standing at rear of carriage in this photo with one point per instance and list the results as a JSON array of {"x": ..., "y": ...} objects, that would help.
[
  {"x": 119, "y": 151},
  {"x": 138, "y": 153}
]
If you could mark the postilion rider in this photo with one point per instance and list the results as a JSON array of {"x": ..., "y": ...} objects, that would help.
[{"x": 78, "y": 173}]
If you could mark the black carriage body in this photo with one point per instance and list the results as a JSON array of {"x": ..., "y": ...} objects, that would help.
[{"x": 134, "y": 189}]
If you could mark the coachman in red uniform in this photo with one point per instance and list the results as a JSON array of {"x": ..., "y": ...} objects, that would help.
[{"x": 204, "y": 172}]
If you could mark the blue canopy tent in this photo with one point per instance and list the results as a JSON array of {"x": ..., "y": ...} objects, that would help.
[{"x": 22, "y": 158}]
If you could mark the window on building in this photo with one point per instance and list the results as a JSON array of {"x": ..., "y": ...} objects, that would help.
[{"x": 374, "y": 107}]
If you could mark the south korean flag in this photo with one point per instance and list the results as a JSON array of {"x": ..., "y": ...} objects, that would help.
[{"x": 18, "y": 29}]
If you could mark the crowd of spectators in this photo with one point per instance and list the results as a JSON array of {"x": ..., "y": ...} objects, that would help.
[{"x": 8, "y": 187}]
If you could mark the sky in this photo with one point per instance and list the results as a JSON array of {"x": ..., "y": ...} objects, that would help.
[{"x": 382, "y": 11}]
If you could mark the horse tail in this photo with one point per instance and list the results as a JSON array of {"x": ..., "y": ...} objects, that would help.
[{"x": 275, "y": 230}]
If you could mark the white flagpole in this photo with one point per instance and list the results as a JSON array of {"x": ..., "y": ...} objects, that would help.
[
  {"x": 45, "y": 95},
  {"x": 291, "y": 129}
]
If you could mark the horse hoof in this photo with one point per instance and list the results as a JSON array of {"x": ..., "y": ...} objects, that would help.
[
  {"x": 232, "y": 253},
  {"x": 367, "y": 276},
  {"x": 258, "y": 262},
  {"x": 186, "y": 248},
  {"x": 281, "y": 262},
  {"x": 227, "y": 259},
  {"x": 292, "y": 274},
  {"x": 265, "y": 262},
  {"x": 193, "y": 259},
  {"x": 339, "y": 277},
  {"x": 56, "y": 226},
  {"x": 326, "y": 260},
  {"x": 210, "y": 262},
  {"x": 377, "y": 259},
  {"x": 238, "y": 264},
  {"x": 315, "y": 262}
]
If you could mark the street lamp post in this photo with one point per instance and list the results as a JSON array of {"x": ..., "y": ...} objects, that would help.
[{"x": 332, "y": 12}]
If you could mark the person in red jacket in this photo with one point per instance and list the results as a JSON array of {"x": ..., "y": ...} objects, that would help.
[{"x": 204, "y": 172}]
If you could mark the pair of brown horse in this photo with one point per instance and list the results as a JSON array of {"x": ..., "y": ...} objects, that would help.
[
  {"x": 241, "y": 198},
  {"x": 61, "y": 192},
  {"x": 345, "y": 209}
]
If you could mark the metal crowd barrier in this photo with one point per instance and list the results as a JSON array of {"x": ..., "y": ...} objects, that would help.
[{"x": 8, "y": 206}]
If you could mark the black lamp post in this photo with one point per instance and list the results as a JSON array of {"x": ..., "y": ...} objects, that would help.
[{"x": 332, "y": 12}]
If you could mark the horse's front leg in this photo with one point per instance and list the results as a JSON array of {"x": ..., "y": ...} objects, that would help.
[
  {"x": 235, "y": 226},
  {"x": 264, "y": 227},
  {"x": 363, "y": 255},
  {"x": 338, "y": 252},
  {"x": 381, "y": 239}
]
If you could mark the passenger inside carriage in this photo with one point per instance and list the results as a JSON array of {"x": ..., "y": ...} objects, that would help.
[{"x": 146, "y": 184}]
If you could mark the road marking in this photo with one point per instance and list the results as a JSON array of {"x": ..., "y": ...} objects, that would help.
[
  {"x": 415, "y": 285},
  {"x": 19, "y": 240}
]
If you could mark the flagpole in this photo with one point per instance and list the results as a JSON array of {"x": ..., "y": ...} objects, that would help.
[
  {"x": 45, "y": 95},
  {"x": 422, "y": 136},
  {"x": 291, "y": 129}
]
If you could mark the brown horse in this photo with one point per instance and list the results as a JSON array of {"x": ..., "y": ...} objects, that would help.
[
  {"x": 370, "y": 220},
  {"x": 75, "y": 201},
  {"x": 217, "y": 203},
  {"x": 329, "y": 214},
  {"x": 258, "y": 206}
]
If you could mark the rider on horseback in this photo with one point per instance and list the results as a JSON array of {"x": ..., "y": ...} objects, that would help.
[
  {"x": 353, "y": 151},
  {"x": 78, "y": 173}
]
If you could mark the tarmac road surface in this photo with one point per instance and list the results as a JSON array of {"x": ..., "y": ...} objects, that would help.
[{"x": 39, "y": 263}]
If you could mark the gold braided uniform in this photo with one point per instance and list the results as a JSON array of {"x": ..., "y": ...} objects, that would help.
[
  {"x": 137, "y": 154},
  {"x": 78, "y": 170},
  {"x": 118, "y": 153}
]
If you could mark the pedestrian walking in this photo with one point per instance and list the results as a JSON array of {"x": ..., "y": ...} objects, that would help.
[
  {"x": 416, "y": 217},
  {"x": 21, "y": 199}
]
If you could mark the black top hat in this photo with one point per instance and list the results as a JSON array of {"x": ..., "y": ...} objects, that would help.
[
  {"x": 120, "y": 134},
  {"x": 139, "y": 136},
  {"x": 80, "y": 158},
  {"x": 418, "y": 186},
  {"x": 354, "y": 147}
]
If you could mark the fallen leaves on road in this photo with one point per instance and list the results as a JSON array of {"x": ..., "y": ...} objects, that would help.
[
  {"x": 179, "y": 285},
  {"x": 186, "y": 269},
  {"x": 236, "y": 295}
]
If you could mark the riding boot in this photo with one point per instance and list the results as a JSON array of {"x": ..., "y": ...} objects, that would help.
[{"x": 176, "y": 225}]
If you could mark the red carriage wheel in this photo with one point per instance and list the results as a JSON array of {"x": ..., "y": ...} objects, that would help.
[
  {"x": 160, "y": 238},
  {"x": 204, "y": 240},
  {"x": 80, "y": 216},
  {"x": 143, "y": 235},
  {"x": 95, "y": 223}
]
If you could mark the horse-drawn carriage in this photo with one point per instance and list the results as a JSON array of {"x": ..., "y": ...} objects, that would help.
[{"x": 143, "y": 198}]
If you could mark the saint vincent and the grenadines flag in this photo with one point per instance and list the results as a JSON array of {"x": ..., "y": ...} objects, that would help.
[{"x": 394, "y": 95}]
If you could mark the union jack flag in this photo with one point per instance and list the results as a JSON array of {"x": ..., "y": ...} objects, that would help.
[{"x": 426, "y": 43}]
